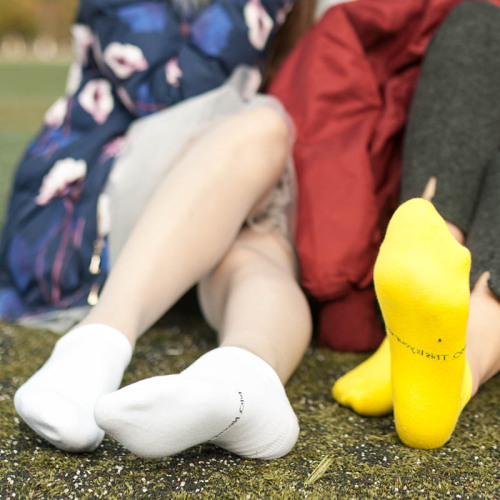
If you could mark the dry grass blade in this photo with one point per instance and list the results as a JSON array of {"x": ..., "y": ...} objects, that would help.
[{"x": 318, "y": 472}]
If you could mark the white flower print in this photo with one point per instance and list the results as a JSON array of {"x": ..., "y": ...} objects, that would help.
[
  {"x": 82, "y": 41},
  {"x": 55, "y": 115},
  {"x": 61, "y": 175},
  {"x": 96, "y": 98},
  {"x": 259, "y": 22},
  {"x": 173, "y": 72},
  {"x": 124, "y": 59},
  {"x": 74, "y": 78}
]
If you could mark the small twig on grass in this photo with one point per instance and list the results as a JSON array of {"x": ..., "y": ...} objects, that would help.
[{"x": 318, "y": 472}]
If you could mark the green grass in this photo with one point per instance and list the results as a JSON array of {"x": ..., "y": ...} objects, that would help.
[
  {"x": 339, "y": 454},
  {"x": 26, "y": 92}
]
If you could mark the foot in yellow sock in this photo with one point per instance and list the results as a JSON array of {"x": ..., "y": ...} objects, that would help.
[
  {"x": 422, "y": 283},
  {"x": 367, "y": 388}
]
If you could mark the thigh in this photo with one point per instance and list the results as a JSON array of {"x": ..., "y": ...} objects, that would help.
[
  {"x": 154, "y": 145},
  {"x": 484, "y": 237},
  {"x": 454, "y": 125}
]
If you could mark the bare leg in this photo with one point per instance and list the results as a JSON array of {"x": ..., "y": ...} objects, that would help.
[
  {"x": 452, "y": 130},
  {"x": 232, "y": 396},
  {"x": 254, "y": 301},
  {"x": 483, "y": 333},
  {"x": 454, "y": 136},
  {"x": 189, "y": 225},
  {"x": 423, "y": 291},
  {"x": 483, "y": 329},
  {"x": 451, "y": 138},
  {"x": 366, "y": 392},
  {"x": 193, "y": 219},
  {"x": 428, "y": 194}
]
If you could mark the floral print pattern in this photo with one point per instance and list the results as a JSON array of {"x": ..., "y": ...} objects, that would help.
[
  {"x": 59, "y": 179},
  {"x": 211, "y": 31},
  {"x": 173, "y": 72},
  {"x": 124, "y": 59},
  {"x": 145, "y": 17},
  {"x": 259, "y": 23},
  {"x": 96, "y": 99},
  {"x": 74, "y": 79},
  {"x": 55, "y": 115},
  {"x": 132, "y": 58},
  {"x": 82, "y": 42}
]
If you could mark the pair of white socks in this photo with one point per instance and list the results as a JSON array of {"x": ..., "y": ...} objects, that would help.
[{"x": 229, "y": 397}]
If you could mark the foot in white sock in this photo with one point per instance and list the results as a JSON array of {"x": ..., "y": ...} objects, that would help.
[
  {"x": 229, "y": 397},
  {"x": 58, "y": 401}
]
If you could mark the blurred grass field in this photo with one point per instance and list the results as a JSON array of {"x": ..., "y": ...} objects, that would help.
[{"x": 27, "y": 89}]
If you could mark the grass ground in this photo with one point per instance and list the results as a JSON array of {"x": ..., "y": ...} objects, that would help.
[{"x": 339, "y": 454}]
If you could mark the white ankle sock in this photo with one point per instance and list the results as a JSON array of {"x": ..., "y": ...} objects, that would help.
[
  {"x": 229, "y": 397},
  {"x": 58, "y": 401}
]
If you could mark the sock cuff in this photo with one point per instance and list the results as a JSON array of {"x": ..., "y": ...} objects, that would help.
[
  {"x": 236, "y": 358},
  {"x": 106, "y": 336}
]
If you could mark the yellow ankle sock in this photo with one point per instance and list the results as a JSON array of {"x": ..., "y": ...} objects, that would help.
[
  {"x": 422, "y": 283},
  {"x": 367, "y": 388}
]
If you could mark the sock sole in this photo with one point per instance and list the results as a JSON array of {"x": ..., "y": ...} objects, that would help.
[
  {"x": 229, "y": 397},
  {"x": 421, "y": 281}
]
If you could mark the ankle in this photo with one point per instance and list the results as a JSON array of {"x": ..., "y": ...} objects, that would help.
[
  {"x": 456, "y": 232},
  {"x": 483, "y": 335},
  {"x": 475, "y": 375},
  {"x": 96, "y": 319}
]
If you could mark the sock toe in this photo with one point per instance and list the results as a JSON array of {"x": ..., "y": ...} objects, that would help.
[
  {"x": 57, "y": 402},
  {"x": 367, "y": 388},
  {"x": 63, "y": 428}
]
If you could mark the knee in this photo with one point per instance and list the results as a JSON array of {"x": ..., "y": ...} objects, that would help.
[
  {"x": 265, "y": 137},
  {"x": 269, "y": 124}
]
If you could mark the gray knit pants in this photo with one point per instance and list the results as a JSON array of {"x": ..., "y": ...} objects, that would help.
[{"x": 453, "y": 131}]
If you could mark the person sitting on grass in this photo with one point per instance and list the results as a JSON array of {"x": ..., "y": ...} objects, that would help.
[{"x": 220, "y": 217}]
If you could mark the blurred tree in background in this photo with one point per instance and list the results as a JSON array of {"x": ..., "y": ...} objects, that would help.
[{"x": 37, "y": 18}]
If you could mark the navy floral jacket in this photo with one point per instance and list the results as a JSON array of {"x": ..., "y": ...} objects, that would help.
[{"x": 132, "y": 58}]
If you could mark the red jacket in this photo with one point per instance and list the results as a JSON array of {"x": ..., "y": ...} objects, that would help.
[{"x": 348, "y": 86}]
